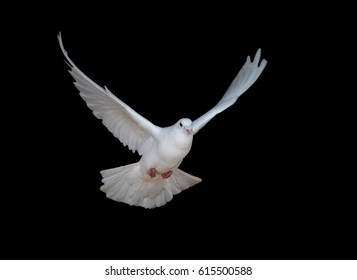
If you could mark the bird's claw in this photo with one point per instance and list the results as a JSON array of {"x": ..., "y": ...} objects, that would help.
[
  {"x": 152, "y": 172},
  {"x": 166, "y": 174}
]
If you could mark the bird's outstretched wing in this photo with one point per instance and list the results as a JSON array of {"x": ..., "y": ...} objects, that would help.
[
  {"x": 244, "y": 79},
  {"x": 127, "y": 125}
]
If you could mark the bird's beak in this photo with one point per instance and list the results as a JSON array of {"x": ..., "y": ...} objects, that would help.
[{"x": 189, "y": 130}]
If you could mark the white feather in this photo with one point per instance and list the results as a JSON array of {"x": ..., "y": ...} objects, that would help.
[
  {"x": 127, "y": 125},
  {"x": 125, "y": 184},
  {"x": 162, "y": 149},
  {"x": 244, "y": 79}
]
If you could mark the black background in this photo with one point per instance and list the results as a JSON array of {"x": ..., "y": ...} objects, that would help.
[{"x": 276, "y": 167}]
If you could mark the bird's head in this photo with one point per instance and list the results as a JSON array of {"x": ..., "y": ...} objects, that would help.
[{"x": 186, "y": 125}]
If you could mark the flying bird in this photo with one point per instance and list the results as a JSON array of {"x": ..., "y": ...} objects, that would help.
[{"x": 153, "y": 180}]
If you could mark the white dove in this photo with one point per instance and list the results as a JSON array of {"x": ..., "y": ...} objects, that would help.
[{"x": 153, "y": 180}]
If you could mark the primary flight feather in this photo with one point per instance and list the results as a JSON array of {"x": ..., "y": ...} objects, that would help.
[{"x": 153, "y": 180}]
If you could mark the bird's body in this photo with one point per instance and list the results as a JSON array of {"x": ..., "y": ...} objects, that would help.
[
  {"x": 167, "y": 151},
  {"x": 154, "y": 180}
]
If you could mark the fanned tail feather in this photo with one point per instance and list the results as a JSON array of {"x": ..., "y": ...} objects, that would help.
[{"x": 127, "y": 184}]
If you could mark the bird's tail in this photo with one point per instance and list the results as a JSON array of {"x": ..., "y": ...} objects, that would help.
[{"x": 127, "y": 184}]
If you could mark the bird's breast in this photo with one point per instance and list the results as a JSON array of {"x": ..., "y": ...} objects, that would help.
[
  {"x": 174, "y": 149},
  {"x": 166, "y": 154}
]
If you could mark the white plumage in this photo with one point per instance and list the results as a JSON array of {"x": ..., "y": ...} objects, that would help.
[{"x": 154, "y": 180}]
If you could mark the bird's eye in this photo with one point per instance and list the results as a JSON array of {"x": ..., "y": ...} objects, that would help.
[{"x": 181, "y": 124}]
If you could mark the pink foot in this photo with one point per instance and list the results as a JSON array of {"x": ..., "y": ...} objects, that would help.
[
  {"x": 152, "y": 172},
  {"x": 166, "y": 174}
]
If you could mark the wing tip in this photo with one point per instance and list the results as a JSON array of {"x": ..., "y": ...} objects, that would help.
[
  {"x": 256, "y": 61},
  {"x": 59, "y": 37},
  {"x": 257, "y": 56},
  {"x": 263, "y": 63},
  {"x": 67, "y": 59}
]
